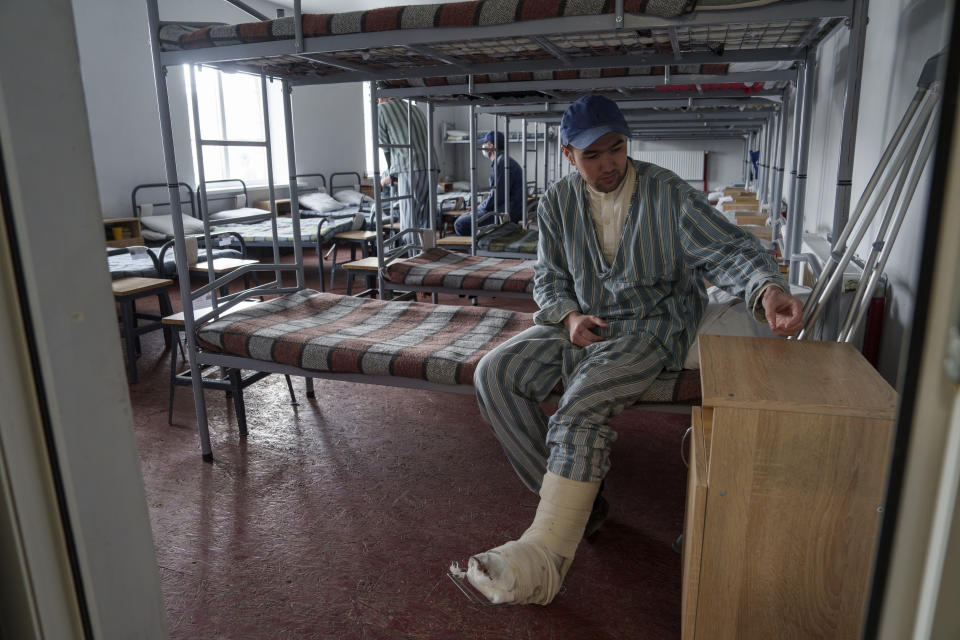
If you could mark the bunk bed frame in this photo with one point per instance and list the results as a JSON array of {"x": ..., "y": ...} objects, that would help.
[{"x": 477, "y": 57}]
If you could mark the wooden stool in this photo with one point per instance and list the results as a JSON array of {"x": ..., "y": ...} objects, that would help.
[
  {"x": 455, "y": 243},
  {"x": 366, "y": 266},
  {"x": 230, "y": 380},
  {"x": 125, "y": 293},
  {"x": 448, "y": 218},
  {"x": 225, "y": 265},
  {"x": 363, "y": 239}
]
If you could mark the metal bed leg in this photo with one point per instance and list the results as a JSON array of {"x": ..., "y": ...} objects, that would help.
[
  {"x": 130, "y": 339},
  {"x": 236, "y": 389},
  {"x": 310, "y": 392},
  {"x": 320, "y": 264},
  {"x": 349, "y": 282},
  {"x": 166, "y": 310},
  {"x": 173, "y": 379},
  {"x": 133, "y": 323},
  {"x": 293, "y": 396},
  {"x": 333, "y": 265}
]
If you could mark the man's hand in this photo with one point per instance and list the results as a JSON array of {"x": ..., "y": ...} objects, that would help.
[
  {"x": 784, "y": 312},
  {"x": 385, "y": 180},
  {"x": 579, "y": 327}
]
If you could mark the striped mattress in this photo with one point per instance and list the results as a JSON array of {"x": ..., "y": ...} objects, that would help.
[
  {"x": 458, "y": 271},
  {"x": 441, "y": 344}
]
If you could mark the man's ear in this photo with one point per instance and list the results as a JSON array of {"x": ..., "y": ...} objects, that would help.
[{"x": 568, "y": 152}]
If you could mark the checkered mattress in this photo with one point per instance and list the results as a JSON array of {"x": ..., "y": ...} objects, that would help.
[
  {"x": 341, "y": 334},
  {"x": 509, "y": 237},
  {"x": 458, "y": 271},
  {"x": 126, "y": 265},
  {"x": 260, "y": 234}
]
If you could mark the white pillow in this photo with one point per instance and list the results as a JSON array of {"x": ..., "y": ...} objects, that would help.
[
  {"x": 164, "y": 225},
  {"x": 349, "y": 196},
  {"x": 321, "y": 202}
]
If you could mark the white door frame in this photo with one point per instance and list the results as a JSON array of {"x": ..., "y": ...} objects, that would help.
[{"x": 72, "y": 495}]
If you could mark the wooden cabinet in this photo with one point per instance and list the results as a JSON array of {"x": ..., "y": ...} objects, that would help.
[
  {"x": 788, "y": 464},
  {"x": 122, "y": 232},
  {"x": 283, "y": 205}
]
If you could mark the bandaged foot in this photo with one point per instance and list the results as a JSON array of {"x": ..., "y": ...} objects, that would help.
[{"x": 530, "y": 570}]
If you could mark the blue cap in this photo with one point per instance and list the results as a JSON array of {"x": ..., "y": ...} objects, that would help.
[
  {"x": 493, "y": 136},
  {"x": 588, "y": 119}
]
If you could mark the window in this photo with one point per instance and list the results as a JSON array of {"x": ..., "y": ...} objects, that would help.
[{"x": 230, "y": 108}]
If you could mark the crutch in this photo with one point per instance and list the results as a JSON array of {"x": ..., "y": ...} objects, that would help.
[{"x": 919, "y": 113}]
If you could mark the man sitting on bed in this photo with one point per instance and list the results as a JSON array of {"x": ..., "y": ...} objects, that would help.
[
  {"x": 624, "y": 249},
  {"x": 493, "y": 147}
]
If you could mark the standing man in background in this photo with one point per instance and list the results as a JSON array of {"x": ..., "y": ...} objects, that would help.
[
  {"x": 408, "y": 167},
  {"x": 493, "y": 146}
]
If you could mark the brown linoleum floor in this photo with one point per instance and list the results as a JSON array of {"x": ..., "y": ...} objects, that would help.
[{"x": 337, "y": 517}]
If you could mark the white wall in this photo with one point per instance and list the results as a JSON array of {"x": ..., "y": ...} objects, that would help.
[
  {"x": 901, "y": 38},
  {"x": 328, "y": 128},
  {"x": 724, "y": 162}
]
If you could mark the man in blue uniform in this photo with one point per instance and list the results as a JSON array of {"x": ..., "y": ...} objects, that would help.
[
  {"x": 493, "y": 145},
  {"x": 624, "y": 249}
]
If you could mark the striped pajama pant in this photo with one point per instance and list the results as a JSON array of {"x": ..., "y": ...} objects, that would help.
[
  {"x": 414, "y": 213},
  {"x": 599, "y": 381}
]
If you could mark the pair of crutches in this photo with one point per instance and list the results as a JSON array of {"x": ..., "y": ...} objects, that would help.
[{"x": 903, "y": 165}]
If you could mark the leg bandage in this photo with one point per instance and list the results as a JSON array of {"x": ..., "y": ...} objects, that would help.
[{"x": 530, "y": 570}]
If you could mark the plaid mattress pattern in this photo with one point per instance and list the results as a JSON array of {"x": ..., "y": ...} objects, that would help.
[
  {"x": 128, "y": 265},
  {"x": 458, "y": 271},
  {"x": 260, "y": 234},
  {"x": 509, "y": 237},
  {"x": 342, "y": 334},
  {"x": 427, "y": 16}
]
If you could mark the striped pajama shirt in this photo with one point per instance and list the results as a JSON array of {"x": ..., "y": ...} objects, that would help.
[
  {"x": 653, "y": 297},
  {"x": 410, "y": 169}
]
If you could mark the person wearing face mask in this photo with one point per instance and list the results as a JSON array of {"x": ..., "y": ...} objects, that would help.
[
  {"x": 492, "y": 146},
  {"x": 624, "y": 249}
]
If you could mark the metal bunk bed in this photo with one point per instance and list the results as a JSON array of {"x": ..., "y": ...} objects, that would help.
[
  {"x": 475, "y": 57},
  {"x": 656, "y": 119}
]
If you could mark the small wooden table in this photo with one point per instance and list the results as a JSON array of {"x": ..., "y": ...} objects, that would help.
[
  {"x": 751, "y": 219},
  {"x": 122, "y": 232},
  {"x": 450, "y": 217},
  {"x": 232, "y": 381},
  {"x": 366, "y": 266},
  {"x": 365, "y": 240},
  {"x": 457, "y": 243},
  {"x": 787, "y": 473},
  {"x": 125, "y": 293}
]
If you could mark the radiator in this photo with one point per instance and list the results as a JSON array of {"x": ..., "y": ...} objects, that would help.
[{"x": 686, "y": 164}]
